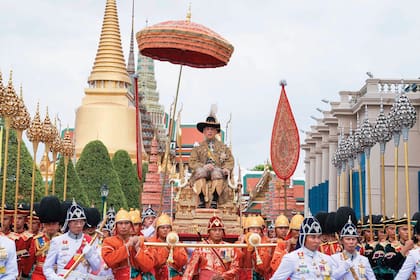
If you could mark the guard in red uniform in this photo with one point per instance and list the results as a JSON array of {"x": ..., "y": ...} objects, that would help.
[
  {"x": 166, "y": 266},
  {"x": 213, "y": 263},
  {"x": 255, "y": 265},
  {"x": 49, "y": 213},
  {"x": 126, "y": 255},
  {"x": 23, "y": 240}
]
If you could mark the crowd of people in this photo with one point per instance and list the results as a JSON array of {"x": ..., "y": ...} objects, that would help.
[{"x": 84, "y": 246}]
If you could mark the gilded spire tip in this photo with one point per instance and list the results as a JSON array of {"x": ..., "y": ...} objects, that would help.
[{"x": 189, "y": 12}]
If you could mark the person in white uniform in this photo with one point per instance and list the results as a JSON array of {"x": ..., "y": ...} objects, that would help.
[
  {"x": 349, "y": 264},
  {"x": 306, "y": 262},
  {"x": 66, "y": 249},
  {"x": 8, "y": 260},
  {"x": 412, "y": 262}
]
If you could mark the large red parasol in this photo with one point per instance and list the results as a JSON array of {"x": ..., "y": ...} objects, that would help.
[
  {"x": 186, "y": 43},
  {"x": 284, "y": 139}
]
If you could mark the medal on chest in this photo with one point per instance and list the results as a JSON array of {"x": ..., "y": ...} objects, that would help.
[{"x": 302, "y": 267}]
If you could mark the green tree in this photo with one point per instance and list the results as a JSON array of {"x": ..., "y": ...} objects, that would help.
[
  {"x": 75, "y": 188},
  {"x": 260, "y": 167},
  {"x": 25, "y": 177},
  {"x": 94, "y": 168},
  {"x": 128, "y": 177}
]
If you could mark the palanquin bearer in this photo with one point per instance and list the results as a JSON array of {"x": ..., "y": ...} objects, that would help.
[
  {"x": 136, "y": 220},
  {"x": 23, "y": 240},
  {"x": 281, "y": 227},
  {"x": 349, "y": 264},
  {"x": 66, "y": 249},
  {"x": 212, "y": 160},
  {"x": 293, "y": 234},
  {"x": 253, "y": 265},
  {"x": 126, "y": 255},
  {"x": 172, "y": 267},
  {"x": 49, "y": 213},
  {"x": 213, "y": 263},
  {"x": 306, "y": 262}
]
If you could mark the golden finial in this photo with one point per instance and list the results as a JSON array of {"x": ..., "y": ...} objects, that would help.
[
  {"x": 11, "y": 76},
  {"x": 48, "y": 133},
  {"x": 35, "y": 129},
  {"x": 57, "y": 142},
  {"x": 10, "y": 100},
  {"x": 189, "y": 13},
  {"x": 67, "y": 145},
  {"x": 22, "y": 119}
]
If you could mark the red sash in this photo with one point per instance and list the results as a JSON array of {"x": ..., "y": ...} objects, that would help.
[{"x": 86, "y": 240}]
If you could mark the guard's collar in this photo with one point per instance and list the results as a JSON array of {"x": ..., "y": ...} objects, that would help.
[
  {"x": 308, "y": 252},
  {"x": 75, "y": 236}
]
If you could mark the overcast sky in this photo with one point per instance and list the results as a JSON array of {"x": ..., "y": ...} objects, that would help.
[{"x": 319, "y": 47}]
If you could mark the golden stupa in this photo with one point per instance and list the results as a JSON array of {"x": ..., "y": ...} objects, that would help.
[{"x": 107, "y": 112}]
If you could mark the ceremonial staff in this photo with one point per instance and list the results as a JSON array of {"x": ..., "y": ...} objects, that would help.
[
  {"x": 20, "y": 122},
  {"x": 358, "y": 153},
  {"x": 350, "y": 148},
  {"x": 55, "y": 149},
  {"x": 47, "y": 137},
  {"x": 368, "y": 142},
  {"x": 395, "y": 128},
  {"x": 343, "y": 156},
  {"x": 406, "y": 118},
  {"x": 34, "y": 135},
  {"x": 382, "y": 135},
  {"x": 337, "y": 163},
  {"x": 9, "y": 109},
  {"x": 67, "y": 150}
]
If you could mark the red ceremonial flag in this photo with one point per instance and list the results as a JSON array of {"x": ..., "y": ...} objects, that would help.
[{"x": 285, "y": 144}]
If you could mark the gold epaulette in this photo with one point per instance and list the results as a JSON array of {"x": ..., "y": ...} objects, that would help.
[{"x": 26, "y": 235}]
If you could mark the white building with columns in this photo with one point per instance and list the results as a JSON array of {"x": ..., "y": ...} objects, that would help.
[{"x": 326, "y": 189}]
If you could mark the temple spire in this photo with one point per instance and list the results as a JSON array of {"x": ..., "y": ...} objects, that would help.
[
  {"x": 130, "y": 65},
  {"x": 109, "y": 67}
]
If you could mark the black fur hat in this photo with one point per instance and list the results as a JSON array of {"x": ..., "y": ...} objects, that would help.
[
  {"x": 93, "y": 216},
  {"x": 330, "y": 225},
  {"x": 342, "y": 217},
  {"x": 322, "y": 218},
  {"x": 49, "y": 210}
]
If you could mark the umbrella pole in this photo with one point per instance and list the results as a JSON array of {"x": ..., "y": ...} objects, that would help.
[{"x": 170, "y": 136}]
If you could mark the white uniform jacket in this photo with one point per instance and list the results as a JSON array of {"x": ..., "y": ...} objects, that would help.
[
  {"x": 8, "y": 261},
  {"x": 411, "y": 264},
  {"x": 62, "y": 249},
  {"x": 360, "y": 264},
  {"x": 304, "y": 264}
]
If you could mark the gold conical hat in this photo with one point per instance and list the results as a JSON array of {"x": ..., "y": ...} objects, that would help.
[
  {"x": 163, "y": 220},
  {"x": 122, "y": 216},
  {"x": 134, "y": 216},
  {"x": 281, "y": 221},
  {"x": 296, "y": 222},
  {"x": 254, "y": 221}
]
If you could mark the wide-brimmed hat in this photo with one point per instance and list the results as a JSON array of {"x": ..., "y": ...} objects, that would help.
[{"x": 210, "y": 122}]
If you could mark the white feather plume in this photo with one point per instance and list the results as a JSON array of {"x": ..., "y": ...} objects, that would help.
[{"x": 213, "y": 111}]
